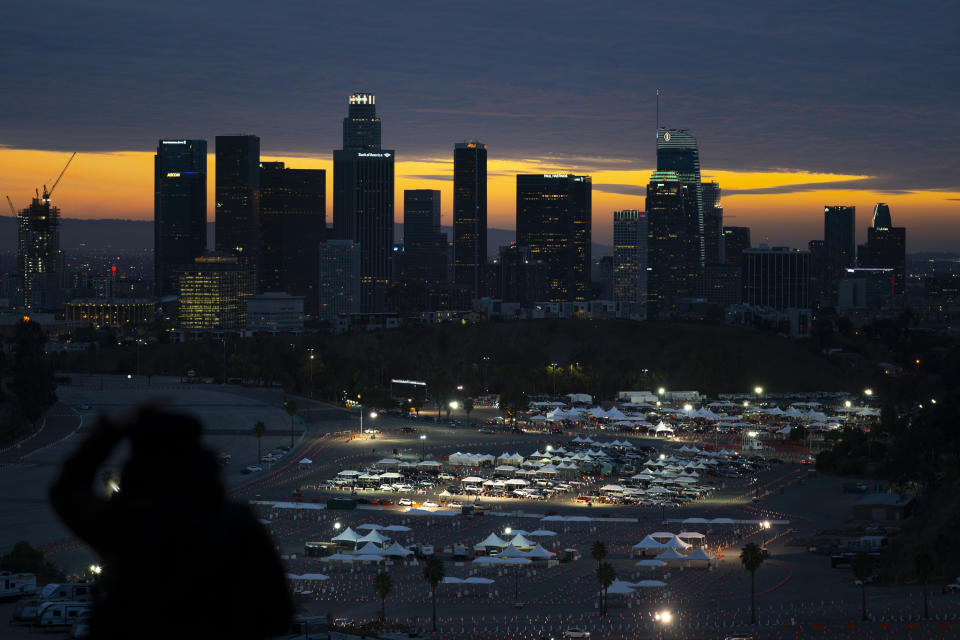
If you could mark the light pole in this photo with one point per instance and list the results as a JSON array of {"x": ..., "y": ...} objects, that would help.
[
  {"x": 553, "y": 368},
  {"x": 759, "y": 391},
  {"x": 311, "y": 372},
  {"x": 664, "y": 618}
]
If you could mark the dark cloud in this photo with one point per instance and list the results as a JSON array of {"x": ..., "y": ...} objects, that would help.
[
  {"x": 822, "y": 86},
  {"x": 622, "y": 189}
]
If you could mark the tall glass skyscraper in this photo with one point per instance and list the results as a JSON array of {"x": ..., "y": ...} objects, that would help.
[
  {"x": 677, "y": 151},
  {"x": 630, "y": 263},
  {"x": 839, "y": 240},
  {"x": 671, "y": 248},
  {"x": 179, "y": 209},
  {"x": 238, "y": 196},
  {"x": 470, "y": 215},
  {"x": 293, "y": 218},
  {"x": 886, "y": 248},
  {"x": 554, "y": 220},
  {"x": 424, "y": 244},
  {"x": 363, "y": 199}
]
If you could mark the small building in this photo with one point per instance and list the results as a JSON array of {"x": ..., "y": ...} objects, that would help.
[
  {"x": 274, "y": 312},
  {"x": 122, "y": 313},
  {"x": 883, "y": 507}
]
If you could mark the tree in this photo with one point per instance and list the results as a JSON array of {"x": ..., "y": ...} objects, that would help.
[
  {"x": 863, "y": 569},
  {"x": 752, "y": 557},
  {"x": 258, "y": 430},
  {"x": 924, "y": 565},
  {"x": 433, "y": 573},
  {"x": 33, "y": 382},
  {"x": 382, "y": 586},
  {"x": 25, "y": 559},
  {"x": 598, "y": 551},
  {"x": 606, "y": 574},
  {"x": 290, "y": 406},
  {"x": 467, "y": 406}
]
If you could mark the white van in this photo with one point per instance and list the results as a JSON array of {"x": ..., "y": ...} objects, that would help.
[
  {"x": 17, "y": 585},
  {"x": 61, "y": 614}
]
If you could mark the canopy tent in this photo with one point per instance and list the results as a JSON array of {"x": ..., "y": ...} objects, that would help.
[
  {"x": 370, "y": 525},
  {"x": 513, "y": 552},
  {"x": 347, "y": 536},
  {"x": 375, "y": 537},
  {"x": 451, "y": 580},
  {"x": 648, "y": 584},
  {"x": 691, "y": 535},
  {"x": 396, "y": 527},
  {"x": 387, "y": 461},
  {"x": 699, "y": 554},
  {"x": 305, "y": 461},
  {"x": 477, "y": 580},
  {"x": 520, "y": 541},
  {"x": 492, "y": 540},
  {"x": 540, "y": 553},
  {"x": 317, "y": 577},
  {"x": 397, "y": 551},
  {"x": 370, "y": 549},
  {"x": 651, "y": 563},
  {"x": 678, "y": 544},
  {"x": 671, "y": 554},
  {"x": 540, "y": 533},
  {"x": 620, "y": 588}
]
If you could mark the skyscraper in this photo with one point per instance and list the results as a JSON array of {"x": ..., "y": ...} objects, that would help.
[
  {"x": 839, "y": 240},
  {"x": 470, "y": 214},
  {"x": 776, "y": 277},
  {"x": 735, "y": 241},
  {"x": 886, "y": 248},
  {"x": 293, "y": 224},
  {"x": 39, "y": 258},
  {"x": 339, "y": 284},
  {"x": 424, "y": 244},
  {"x": 179, "y": 209},
  {"x": 671, "y": 248},
  {"x": 238, "y": 196},
  {"x": 213, "y": 292},
  {"x": 363, "y": 199},
  {"x": 677, "y": 151},
  {"x": 554, "y": 220},
  {"x": 630, "y": 263},
  {"x": 713, "y": 238}
]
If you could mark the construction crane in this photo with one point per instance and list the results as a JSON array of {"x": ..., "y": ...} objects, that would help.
[
  {"x": 13, "y": 209},
  {"x": 49, "y": 192}
]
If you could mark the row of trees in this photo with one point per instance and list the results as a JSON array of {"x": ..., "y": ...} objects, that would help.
[
  {"x": 433, "y": 573},
  {"x": 27, "y": 383}
]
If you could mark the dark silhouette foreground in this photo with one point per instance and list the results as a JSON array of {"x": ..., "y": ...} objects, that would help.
[{"x": 178, "y": 560}]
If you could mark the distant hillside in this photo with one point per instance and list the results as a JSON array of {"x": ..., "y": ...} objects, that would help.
[{"x": 137, "y": 235}]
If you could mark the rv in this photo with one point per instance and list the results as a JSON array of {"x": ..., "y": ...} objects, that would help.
[
  {"x": 16, "y": 585},
  {"x": 27, "y": 610},
  {"x": 61, "y": 614}
]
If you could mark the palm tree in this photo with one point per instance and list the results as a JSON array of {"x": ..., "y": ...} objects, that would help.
[
  {"x": 258, "y": 430},
  {"x": 290, "y": 406},
  {"x": 382, "y": 586},
  {"x": 598, "y": 551},
  {"x": 433, "y": 573},
  {"x": 863, "y": 569},
  {"x": 924, "y": 565},
  {"x": 606, "y": 574},
  {"x": 752, "y": 557}
]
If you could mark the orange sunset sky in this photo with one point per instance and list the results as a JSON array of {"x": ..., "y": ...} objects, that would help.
[{"x": 120, "y": 185}]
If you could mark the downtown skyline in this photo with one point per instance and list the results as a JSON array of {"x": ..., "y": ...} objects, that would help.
[{"x": 789, "y": 117}]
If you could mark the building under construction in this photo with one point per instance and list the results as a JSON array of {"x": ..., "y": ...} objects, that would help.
[{"x": 39, "y": 258}]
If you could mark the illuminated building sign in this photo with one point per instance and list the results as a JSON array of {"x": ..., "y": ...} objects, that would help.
[
  {"x": 362, "y": 98},
  {"x": 174, "y": 142},
  {"x": 555, "y": 175},
  {"x": 373, "y": 155},
  {"x": 173, "y": 175}
]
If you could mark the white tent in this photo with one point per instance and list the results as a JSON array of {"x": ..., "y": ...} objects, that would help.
[
  {"x": 520, "y": 541},
  {"x": 370, "y": 549},
  {"x": 678, "y": 544},
  {"x": 347, "y": 536},
  {"x": 477, "y": 580},
  {"x": 306, "y": 461},
  {"x": 651, "y": 563},
  {"x": 375, "y": 537},
  {"x": 671, "y": 554},
  {"x": 370, "y": 525},
  {"x": 699, "y": 556},
  {"x": 648, "y": 584},
  {"x": 387, "y": 461},
  {"x": 396, "y": 550},
  {"x": 513, "y": 552},
  {"x": 396, "y": 527},
  {"x": 690, "y": 535},
  {"x": 620, "y": 588},
  {"x": 539, "y": 552},
  {"x": 542, "y": 533},
  {"x": 492, "y": 540},
  {"x": 451, "y": 580}
]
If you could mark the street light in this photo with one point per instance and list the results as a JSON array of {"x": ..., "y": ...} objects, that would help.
[
  {"x": 423, "y": 438},
  {"x": 688, "y": 407},
  {"x": 454, "y": 405},
  {"x": 758, "y": 391},
  {"x": 373, "y": 415},
  {"x": 337, "y": 525},
  {"x": 868, "y": 392},
  {"x": 553, "y": 367},
  {"x": 661, "y": 391},
  {"x": 508, "y": 531},
  {"x": 663, "y": 617},
  {"x": 311, "y": 372}
]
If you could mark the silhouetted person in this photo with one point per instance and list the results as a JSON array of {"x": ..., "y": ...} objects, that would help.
[{"x": 178, "y": 560}]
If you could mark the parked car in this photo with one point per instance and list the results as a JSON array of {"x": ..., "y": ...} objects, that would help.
[
  {"x": 430, "y": 503},
  {"x": 576, "y": 633},
  {"x": 253, "y": 468},
  {"x": 405, "y": 502}
]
